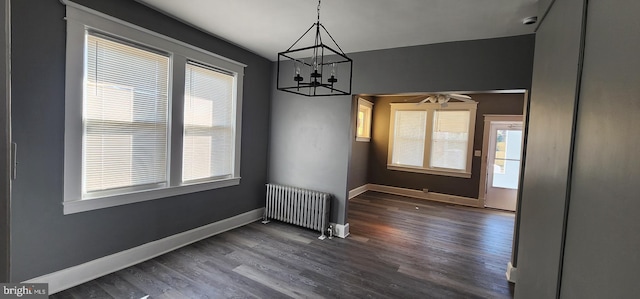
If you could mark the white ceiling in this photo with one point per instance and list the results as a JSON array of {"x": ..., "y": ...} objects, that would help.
[{"x": 267, "y": 27}]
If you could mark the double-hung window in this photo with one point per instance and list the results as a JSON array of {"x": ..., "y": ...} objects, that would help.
[
  {"x": 207, "y": 148},
  {"x": 125, "y": 117},
  {"x": 432, "y": 138},
  {"x": 146, "y": 116},
  {"x": 363, "y": 120}
]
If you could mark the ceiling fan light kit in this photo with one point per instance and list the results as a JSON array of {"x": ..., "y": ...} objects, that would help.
[{"x": 316, "y": 70}]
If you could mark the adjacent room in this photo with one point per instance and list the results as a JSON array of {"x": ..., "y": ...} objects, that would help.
[{"x": 320, "y": 149}]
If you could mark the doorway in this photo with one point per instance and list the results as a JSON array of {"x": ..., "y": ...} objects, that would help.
[{"x": 502, "y": 152}]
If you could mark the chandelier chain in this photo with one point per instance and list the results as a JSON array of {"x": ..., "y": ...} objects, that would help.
[{"x": 319, "y": 11}]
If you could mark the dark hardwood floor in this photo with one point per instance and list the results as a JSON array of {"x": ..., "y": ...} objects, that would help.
[{"x": 398, "y": 248}]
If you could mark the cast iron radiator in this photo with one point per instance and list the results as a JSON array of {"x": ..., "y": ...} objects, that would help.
[{"x": 306, "y": 208}]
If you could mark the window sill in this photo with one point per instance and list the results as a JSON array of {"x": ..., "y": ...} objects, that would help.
[
  {"x": 77, "y": 206},
  {"x": 459, "y": 174},
  {"x": 363, "y": 139}
]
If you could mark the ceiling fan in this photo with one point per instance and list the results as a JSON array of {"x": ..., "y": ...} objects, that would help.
[{"x": 443, "y": 98}]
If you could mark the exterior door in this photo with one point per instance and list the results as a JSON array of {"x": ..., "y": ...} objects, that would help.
[{"x": 503, "y": 164}]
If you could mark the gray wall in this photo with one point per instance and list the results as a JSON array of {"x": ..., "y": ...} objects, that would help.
[
  {"x": 601, "y": 257},
  {"x": 478, "y": 65},
  {"x": 509, "y": 104},
  {"x": 309, "y": 145},
  {"x": 491, "y": 64},
  {"x": 43, "y": 239},
  {"x": 551, "y": 126},
  {"x": 359, "y": 157}
]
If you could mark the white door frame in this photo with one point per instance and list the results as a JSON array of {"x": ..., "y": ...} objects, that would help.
[
  {"x": 6, "y": 168},
  {"x": 488, "y": 118}
]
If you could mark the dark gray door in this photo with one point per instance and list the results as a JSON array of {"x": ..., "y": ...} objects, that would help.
[{"x": 5, "y": 142}]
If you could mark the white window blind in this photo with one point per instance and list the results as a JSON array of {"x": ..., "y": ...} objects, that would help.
[
  {"x": 125, "y": 116},
  {"x": 363, "y": 120},
  {"x": 409, "y": 138},
  {"x": 208, "y": 124},
  {"x": 449, "y": 141}
]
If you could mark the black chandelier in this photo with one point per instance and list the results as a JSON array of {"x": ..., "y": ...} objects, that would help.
[{"x": 317, "y": 70}]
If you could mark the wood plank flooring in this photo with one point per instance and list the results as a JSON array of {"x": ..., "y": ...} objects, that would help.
[{"x": 398, "y": 248}]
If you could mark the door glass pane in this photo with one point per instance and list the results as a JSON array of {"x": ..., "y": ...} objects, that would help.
[
  {"x": 508, "y": 179},
  {"x": 513, "y": 144},
  {"x": 506, "y": 168}
]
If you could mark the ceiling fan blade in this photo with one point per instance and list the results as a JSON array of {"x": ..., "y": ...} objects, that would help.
[
  {"x": 422, "y": 97},
  {"x": 461, "y": 97}
]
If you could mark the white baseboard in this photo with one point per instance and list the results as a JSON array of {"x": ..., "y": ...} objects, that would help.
[
  {"x": 357, "y": 191},
  {"x": 454, "y": 199},
  {"x": 76, "y": 275},
  {"x": 340, "y": 230},
  {"x": 512, "y": 273}
]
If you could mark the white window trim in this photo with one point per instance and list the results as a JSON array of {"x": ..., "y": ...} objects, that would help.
[
  {"x": 363, "y": 102},
  {"x": 80, "y": 18},
  {"x": 430, "y": 108}
]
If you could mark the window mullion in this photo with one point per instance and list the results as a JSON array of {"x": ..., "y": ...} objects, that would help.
[
  {"x": 470, "y": 141},
  {"x": 392, "y": 127},
  {"x": 428, "y": 138},
  {"x": 176, "y": 119}
]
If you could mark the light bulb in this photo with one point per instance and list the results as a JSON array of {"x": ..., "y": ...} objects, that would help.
[
  {"x": 296, "y": 67},
  {"x": 314, "y": 62}
]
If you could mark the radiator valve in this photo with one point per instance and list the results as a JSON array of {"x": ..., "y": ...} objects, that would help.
[{"x": 330, "y": 229}]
